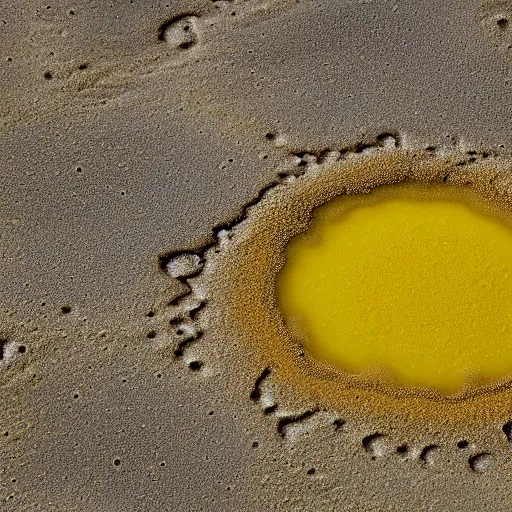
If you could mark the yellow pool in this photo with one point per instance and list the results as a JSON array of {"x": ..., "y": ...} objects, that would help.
[{"x": 403, "y": 283}]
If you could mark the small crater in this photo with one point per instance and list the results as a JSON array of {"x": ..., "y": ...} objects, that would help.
[
  {"x": 388, "y": 140},
  {"x": 285, "y": 422},
  {"x": 375, "y": 444},
  {"x": 180, "y": 33},
  {"x": 502, "y": 23},
  {"x": 428, "y": 454},
  {"x": 151, "y": 335},
  {"x": 65, "y": 310},
  {"x": 338, "y": 424},
  {"x": 8, "y": 349},
  {"x": 480, "y": 462},
  {"x": 402, "y": 450},
  {"x": 117, "y": 462},
  {"x": 462, "y": 444},
  {"x": 3, "y": 345},
  {"x": 495, "y": 17},
  {"x": 195, "y": 366},
  {"x": 48, "y": 75},
  {"x": 507, "y": 430}
]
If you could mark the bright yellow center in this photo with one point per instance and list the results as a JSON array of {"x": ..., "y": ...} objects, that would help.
[{"x": 403, "y": 281}]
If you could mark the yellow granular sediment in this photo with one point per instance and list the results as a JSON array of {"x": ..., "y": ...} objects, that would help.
[{"x": 244, "y": 288}]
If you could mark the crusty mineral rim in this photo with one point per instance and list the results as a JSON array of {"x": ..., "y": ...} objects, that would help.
[{"x": 243, "y": 285}]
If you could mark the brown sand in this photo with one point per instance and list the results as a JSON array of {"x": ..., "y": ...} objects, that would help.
[{"x": 131, "y": 129}]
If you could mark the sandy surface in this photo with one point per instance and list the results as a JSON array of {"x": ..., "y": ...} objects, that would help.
[{"x": 131, "y": 129}]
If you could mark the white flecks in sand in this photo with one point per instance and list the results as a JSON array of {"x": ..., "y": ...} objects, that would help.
[
  {"x": 184, "y": 265},
  {"x": 480, "y": 462}
]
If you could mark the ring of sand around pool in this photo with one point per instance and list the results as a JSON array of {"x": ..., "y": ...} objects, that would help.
[{"x": 419, "y": 326}]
